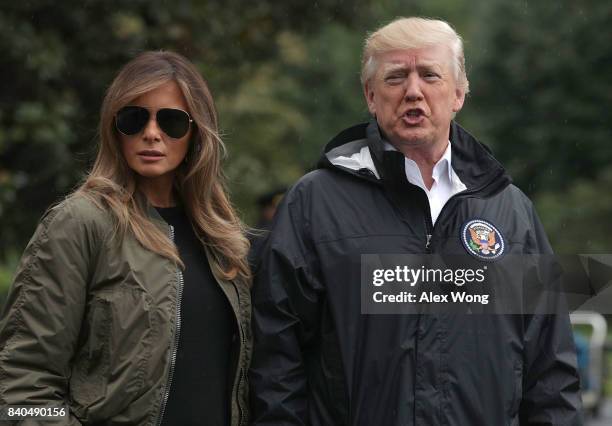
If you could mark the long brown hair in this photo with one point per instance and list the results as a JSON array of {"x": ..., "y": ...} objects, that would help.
[{"x": 199, "y": 180}]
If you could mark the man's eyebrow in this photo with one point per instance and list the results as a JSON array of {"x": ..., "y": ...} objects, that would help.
[
  {"x": 387, "y": 68},
  {"x": 429, "y": 65}
]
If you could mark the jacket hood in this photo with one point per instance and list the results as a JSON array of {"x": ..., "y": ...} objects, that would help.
[{"x": 359, "y": 150}]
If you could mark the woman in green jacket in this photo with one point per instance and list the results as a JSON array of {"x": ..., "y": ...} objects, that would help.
[{"x": 131, "y": 302}]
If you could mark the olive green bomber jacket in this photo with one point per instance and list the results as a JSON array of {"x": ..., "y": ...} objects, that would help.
[{"x": 91, "y": 322}]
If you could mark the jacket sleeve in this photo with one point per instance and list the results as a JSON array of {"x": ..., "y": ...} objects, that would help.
[
  {"x": 551, "y": 384},
  {"x": 41, "y": 320},
  {"x": 285, "y": 318}
]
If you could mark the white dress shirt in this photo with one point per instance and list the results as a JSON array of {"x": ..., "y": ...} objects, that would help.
[{"x": 446, "y": 183}]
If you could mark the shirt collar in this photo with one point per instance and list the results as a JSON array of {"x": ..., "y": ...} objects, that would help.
[{"x": 441, "y": 168}]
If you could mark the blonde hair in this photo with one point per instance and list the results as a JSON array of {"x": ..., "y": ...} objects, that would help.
[
  {"x": 199, "y": 180},
  {"x": 413, "y": 33}
]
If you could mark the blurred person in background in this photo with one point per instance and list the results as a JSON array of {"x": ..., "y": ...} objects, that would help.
[
  {"x": 131, "y": 302},
  {"x": 267, "y": 204},
  {"x": 410, "y": 181}
]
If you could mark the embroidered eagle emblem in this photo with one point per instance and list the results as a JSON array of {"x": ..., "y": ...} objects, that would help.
[{"x": 482, "y": 239}]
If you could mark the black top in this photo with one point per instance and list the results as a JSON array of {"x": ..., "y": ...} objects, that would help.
[{"x": 199, "y": 392}]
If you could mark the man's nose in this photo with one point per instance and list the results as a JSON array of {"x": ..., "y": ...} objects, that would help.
[
  {"x": 413, "y": 88},
  {"x": 152, "y": 132}
]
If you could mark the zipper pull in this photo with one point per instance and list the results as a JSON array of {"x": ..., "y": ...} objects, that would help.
[{"x": 428, "y": 241}]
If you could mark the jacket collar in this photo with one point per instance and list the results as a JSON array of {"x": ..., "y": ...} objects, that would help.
[
  {"x": 149, "y": 210},
  {"x": 472, "y": 161}
]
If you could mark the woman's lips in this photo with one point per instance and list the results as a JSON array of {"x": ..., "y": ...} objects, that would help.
[{"x": 150, "y": 155}]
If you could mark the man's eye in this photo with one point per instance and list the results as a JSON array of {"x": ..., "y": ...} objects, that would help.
[
  {"x": 430, "y": 75},
  {"x": 394, "y": 79}
]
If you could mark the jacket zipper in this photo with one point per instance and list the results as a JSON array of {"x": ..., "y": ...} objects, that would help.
[
  {"x": 428, "y": 223},
  {"x": 177, "y": 332},
  {"x": 240, "y": 409},
  {"x": 239, "y": 367}
]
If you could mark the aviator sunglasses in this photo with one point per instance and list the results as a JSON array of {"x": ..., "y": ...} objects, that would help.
[{"x": 130, "y": 120}]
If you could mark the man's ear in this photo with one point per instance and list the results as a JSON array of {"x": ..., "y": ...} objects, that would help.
[
  {"x": 459, "y": 100},
  {"x": 368, "y": 93}
]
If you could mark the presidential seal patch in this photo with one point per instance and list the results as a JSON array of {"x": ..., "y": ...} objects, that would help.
[{"x": 482, "y": 239}]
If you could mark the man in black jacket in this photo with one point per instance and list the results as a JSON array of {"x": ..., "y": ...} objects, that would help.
[{"x": 409, "y": 182}]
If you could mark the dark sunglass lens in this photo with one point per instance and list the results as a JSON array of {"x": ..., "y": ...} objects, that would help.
[
  {"x": 173, "y": 122},
  {"x": 131, "y": 119}
]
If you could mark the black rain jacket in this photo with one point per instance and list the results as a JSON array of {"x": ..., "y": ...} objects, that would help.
[{"x": 319, "y": 361}]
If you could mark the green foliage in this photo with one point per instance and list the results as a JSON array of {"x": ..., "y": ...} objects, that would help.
[
  {"x": 286, "y": 79},
  {"x": 578, "y": 218},
  {"x": 276, "y": 128},
  {"x": 543, "y": 89},
  {"x": 58, "y": 58},
  {"x": 541, "y": 94}
]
